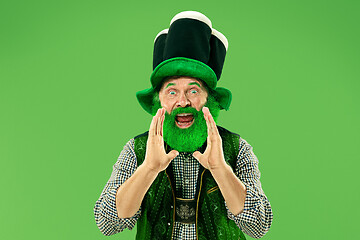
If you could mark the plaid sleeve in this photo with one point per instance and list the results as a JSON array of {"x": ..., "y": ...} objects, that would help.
[
  {"x": 257, "y": 216},
  {"x": 105, "y": 208}
]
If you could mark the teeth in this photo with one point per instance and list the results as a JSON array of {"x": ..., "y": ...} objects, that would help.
[{"x": 184, "y": 114}]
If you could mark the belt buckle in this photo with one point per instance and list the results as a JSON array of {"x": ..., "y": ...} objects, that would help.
[{"x": 185, "y": 210}]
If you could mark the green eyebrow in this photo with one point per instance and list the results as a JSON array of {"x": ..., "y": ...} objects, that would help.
[
  {"x": 195, "y": 83},
  {"x": 170, "y": 84}
]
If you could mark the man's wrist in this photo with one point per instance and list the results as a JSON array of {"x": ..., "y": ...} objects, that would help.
[
  {"x": 149, "y": 169},
  {"x": 221, "y": 169}
]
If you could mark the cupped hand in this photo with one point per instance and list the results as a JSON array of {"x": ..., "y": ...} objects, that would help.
[
  {"x": 213, "y": 157},
  {"x": 156, "y": 158}
]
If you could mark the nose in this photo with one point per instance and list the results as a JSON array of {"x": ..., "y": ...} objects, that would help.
[{"x": 183, "y": 101}]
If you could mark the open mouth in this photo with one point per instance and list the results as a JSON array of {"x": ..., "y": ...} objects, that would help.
[{"x": 184, "y": 120}]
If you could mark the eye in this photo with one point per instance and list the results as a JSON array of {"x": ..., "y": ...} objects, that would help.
[
  {"x": 194, "y": 91},
  {"x": 172, "y": 92}
]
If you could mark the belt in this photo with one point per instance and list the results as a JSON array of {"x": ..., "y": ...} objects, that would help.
[{"x": 185, "y": 210}]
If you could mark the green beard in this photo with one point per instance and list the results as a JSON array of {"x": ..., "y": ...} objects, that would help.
[
  {"x": 188, "y": 139},
  {"x": 193, "y": 137}
]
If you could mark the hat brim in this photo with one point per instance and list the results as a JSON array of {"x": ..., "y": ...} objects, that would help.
[
  {"x": 181, "y": 66},
  {"x": 146, "y": 98}
]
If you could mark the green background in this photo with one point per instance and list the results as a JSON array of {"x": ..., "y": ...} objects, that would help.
[{"x": 69, "y": 71}]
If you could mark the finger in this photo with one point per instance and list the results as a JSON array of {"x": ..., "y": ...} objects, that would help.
[
  {"x": 213, "y": 124},
  {"x": 208, "y": 143},
  {"x": 172, "y": 154},
  {"x": 158, "y": 122},
  {"x": 208, "y": 123},
  {"x": 197, "y": 155},
  {"x": 152, "y": 130},
  {"x": 205, "y": 116},
  {"x": 211, "y": 121},
  {"x": 162, "y": 123},
  {"x": 159, "y": 127}
]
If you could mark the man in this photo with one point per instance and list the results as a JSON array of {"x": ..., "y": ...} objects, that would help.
[{"x": 186, "y": 178}]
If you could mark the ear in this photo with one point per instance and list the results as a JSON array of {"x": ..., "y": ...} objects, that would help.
[
  {"x": 156, "y": 103},
  {"x": 223, "y": 96}
]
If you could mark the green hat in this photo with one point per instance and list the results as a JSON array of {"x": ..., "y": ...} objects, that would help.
[{"x": 192, "y": 48}]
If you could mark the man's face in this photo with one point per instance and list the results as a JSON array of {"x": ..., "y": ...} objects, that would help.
[
  {"x": 183, "y": 92},
  {"x": 184, "y": 126}
]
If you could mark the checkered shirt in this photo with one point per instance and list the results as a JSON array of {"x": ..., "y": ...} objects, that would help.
[{"x": 255, "y": 220}]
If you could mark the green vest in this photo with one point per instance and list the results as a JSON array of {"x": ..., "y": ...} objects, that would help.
[{"x": 158, "y": 216}]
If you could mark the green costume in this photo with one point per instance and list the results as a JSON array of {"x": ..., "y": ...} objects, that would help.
[{"x": 191, "y": 47}]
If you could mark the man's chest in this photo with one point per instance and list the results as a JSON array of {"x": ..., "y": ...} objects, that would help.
[{"x": 186, "y": 170}]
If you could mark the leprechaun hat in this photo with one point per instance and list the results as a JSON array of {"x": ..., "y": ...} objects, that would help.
[{"x": 189, "y": 47}]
